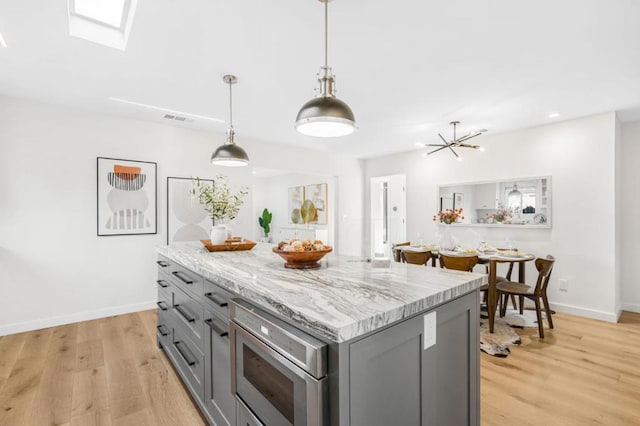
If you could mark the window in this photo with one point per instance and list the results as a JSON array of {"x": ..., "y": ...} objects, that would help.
[{"x": 106, "y": 22}]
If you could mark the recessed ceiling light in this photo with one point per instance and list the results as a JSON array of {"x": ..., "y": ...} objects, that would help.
[
  {"x": 157, "y": 108},
  {"x": 253, "y": 172},
  {"x": 424, "y": 154},
  {"x": 2, "y": 42},
  {"x": 554, "y": 115},
  {"x": 481, "y": 149},
  {"x": 419, "y": 144}
]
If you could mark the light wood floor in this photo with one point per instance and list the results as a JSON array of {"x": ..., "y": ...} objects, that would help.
[{"x": 110, "y": 372}]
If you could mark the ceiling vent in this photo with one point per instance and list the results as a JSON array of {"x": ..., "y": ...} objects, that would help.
[{"x": 178, "y": 118}]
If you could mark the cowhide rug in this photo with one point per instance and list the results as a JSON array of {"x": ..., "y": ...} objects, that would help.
[{"x": 498, "y": 342}]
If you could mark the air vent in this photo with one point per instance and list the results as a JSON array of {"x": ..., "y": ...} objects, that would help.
[{"x": 178, "y": 118}]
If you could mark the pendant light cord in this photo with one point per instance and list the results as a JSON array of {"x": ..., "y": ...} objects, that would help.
[
  {"x": 230, "y": 106},
  {"x": 326, "y": 33}
]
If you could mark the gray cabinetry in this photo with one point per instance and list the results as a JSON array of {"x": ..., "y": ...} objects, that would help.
[
  {"x": 193, "y": 328},
  {"x": 394, "y": 381}
]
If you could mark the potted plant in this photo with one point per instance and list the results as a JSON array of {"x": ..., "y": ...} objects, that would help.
[
  {"x": 265, "y": 221},
  {"x": 221, "y": 204}
]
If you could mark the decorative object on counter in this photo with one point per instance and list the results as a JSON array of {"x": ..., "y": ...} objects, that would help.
[
  {"x": 309, "y": 212},
  {"x": 529, "y": 210},
  {"x": 265, "y": 221},
  {"x": 295, "y": 200},
  {"x": 499, "y": 216},
  {"x": 456, "y": 142},
  {"x": 230, "y": 154},
  {"x": 221, "y": 204},
  {"x": 325, "y": 115},
  {"x": 126, "y": 197},
  {"x": 449, "y": 216},
  {"x": 540, "y": 218},
  {"x": 318, "y": 195},
  {"x": 302, "y": 254},
  {"x": 187, "y": 220},
  {"x": 232, "y": 244}
]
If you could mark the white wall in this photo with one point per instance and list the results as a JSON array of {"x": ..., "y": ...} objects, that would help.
[
  {"x": 580, "y": 157},
  {"x": 630, "y": 206},
  {"x": 53, "y": 267}
]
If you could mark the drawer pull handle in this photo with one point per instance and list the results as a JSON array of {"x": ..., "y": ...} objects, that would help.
[
  {"x": 162, "y": 263},
  {"x": 180, "y": 276},
  {"x": 214, "y": 299},
  {"x": 162, "y": 283},
  {"x": 162, "y": 306},
  {"x": 183, "y": 354},
  {"x": 217, "y": 327},
  {"x": 184, "y": 314},
  {"x": 161, "y": 329}
]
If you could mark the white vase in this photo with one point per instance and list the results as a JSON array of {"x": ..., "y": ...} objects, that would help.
[{"x": 219, "y": 234}]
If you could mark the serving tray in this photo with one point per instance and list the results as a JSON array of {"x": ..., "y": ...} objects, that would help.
[{"x": 229, "y": 245}]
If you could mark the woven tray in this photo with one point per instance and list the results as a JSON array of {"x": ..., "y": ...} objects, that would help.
[{"x": 229, "y": 245}]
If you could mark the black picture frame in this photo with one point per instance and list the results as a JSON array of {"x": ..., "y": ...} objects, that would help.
[{"x": 140, "y": 215}]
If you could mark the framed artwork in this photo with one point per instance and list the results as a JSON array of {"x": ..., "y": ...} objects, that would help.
[
  {"x": 446, "y": 203},
  {"x": 127, "y": 197},
  {"x": 187, "y": 220},
  {"x": 296, "y": 197},
  {"x": 318, "y": 195},
  {"x": 458, "y": 200}
]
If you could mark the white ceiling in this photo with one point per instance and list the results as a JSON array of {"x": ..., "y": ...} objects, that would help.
[{"x": 406, "y": 67}]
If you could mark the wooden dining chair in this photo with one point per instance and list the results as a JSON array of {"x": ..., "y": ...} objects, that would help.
[
  {"x": 462, "y": 263},
  {"x": 397, "y": 253},
  {"x": 538, "y": 293},
  {"x": 416, "y": 257}
]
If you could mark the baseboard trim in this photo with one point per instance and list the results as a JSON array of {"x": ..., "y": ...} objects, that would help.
[
  {"x": 583, "y": 312},
  {"x": 631, "y": 307},
  {"x": 78, "y": 317}
]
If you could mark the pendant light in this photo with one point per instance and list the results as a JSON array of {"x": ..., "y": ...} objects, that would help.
[
  {"x": 514, "y": 198},
  {"x": 325, "y": 116},
  {"x": 230, "y": 154}
]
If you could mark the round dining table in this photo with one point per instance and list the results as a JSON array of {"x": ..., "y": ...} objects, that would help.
[{"x": 493, "y": 258}]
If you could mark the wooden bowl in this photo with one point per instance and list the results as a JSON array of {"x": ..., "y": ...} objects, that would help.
[{"x": 302, "y": 259}]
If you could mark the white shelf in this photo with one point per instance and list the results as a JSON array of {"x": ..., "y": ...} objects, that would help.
[{"x": 496, "y": 225}]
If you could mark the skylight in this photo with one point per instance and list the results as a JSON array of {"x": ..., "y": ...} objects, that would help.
[
  {"x": 2, "y": 42},
  {"x": 106, "y": 22},
  {"x": 108, "y": 12}
]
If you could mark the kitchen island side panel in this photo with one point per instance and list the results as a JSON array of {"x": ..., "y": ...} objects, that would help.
[{"x": 394, "y": 380}]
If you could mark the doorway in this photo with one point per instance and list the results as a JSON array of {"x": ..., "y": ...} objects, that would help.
[{"x": 388, "y": 218}]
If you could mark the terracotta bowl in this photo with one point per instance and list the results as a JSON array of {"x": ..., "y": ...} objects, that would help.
[{"x": 302, "y": 259}]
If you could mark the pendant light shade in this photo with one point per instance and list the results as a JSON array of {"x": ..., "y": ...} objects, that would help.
[
  {"x": 230, "y": 154},
  {"x": 325, "y": 116}
]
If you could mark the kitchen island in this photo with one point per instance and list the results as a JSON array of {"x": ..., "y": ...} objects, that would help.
[{"x": 401, "y": 342}]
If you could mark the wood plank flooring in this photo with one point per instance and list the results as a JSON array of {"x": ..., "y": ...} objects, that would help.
[{"x": 110, "y": 372}]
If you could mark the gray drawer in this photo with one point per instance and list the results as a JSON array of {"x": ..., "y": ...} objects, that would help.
[
  {"x": 165, "y": 301},
  {"x": 189, "y": 316},
  {"x": 164, "y": 281},
  {"x": 164, "y": 264},
  {"x": 163, "y": 329},
  {"x": 187, "y": 280},
  {"x": 189, "y": 361},
  {"x": 217, "y": 299}
]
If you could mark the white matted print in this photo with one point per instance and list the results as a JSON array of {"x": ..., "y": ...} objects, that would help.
[
  {"x": 294, "y": 203},
  {"x": 126, "y": 192},
  {"x": 458, "y": 200},
  {"x": 187, "y": 220},
  {"x": 317, "y": 193}
]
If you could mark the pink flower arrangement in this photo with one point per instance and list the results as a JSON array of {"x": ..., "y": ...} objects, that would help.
[{"x": 449, "y": 216}]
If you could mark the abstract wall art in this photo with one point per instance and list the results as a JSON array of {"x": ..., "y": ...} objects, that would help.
[
  {"x": 187, "y": 220},
  {"x": 126, "y": 197},
  {"x": 295, "y": 200},
  {"x": 317, "y": 193}
]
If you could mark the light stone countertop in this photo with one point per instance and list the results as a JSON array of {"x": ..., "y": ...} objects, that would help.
[{"x": 345, "y": 298}]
